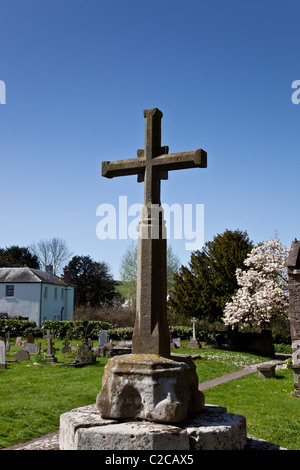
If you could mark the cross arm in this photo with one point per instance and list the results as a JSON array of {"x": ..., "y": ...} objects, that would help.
[
  {"x": 182, "y": 160},
  {"x": 131, "y": 166}
]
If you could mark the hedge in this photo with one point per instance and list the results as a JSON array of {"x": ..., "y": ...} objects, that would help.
[
  {"x": 16, "y": 327},
  {"x": 74, "y": 329}
]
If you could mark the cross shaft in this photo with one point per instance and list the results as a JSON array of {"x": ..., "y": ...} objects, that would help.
[{"x": 151, "y": 332}]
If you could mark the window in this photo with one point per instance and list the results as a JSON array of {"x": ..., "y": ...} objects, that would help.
[
  {"x": 10, "y": 291},
  {"x": 46, "y": 292}
]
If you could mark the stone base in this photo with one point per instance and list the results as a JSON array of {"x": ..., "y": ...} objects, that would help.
[
  {"x": 193, "y": 344},
  {"x": 148, "y": 386},
  {"x": 212, "y": 429},
  {"x": 266, "y": 371}
]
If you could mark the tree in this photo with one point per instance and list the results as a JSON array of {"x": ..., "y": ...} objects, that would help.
[
  {"x": 263, "y": 292},
  {"x": 16, "y": 256},
  {"x": 53, "y": 252},
  {"x": 203, "y": 288},
  {"x": 128, "y": 271},
  {"x": 94, "y": 285}
]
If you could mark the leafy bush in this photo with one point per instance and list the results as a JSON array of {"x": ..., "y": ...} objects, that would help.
[
  {"x": 75, "y": 329},
  {"x": 15, "y": 327}
]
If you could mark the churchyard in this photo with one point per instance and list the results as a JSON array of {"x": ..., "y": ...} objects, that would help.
[{"x": 35, "y": 393}]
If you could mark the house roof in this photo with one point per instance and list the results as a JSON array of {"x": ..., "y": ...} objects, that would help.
[{"x": 28, "y": 275}]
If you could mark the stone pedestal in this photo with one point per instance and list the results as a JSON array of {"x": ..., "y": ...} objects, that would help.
[
  {"x": 296, "y": 370},
  {"x": 193, "y": 344},
  {"x": 149, "y": 386},
  {"x": 212, "y": 429}
]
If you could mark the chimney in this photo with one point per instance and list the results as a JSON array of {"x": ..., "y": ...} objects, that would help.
[
  {"x": 49, "y": 273},
  {"x": 67, "y": 276}
]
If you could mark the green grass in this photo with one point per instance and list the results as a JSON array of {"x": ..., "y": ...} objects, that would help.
[
  {"x": 271, "y": 412},
  {"x": 34, "y": 394}
]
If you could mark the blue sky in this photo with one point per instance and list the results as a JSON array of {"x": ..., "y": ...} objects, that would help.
[{"x": 78, "y": 75}]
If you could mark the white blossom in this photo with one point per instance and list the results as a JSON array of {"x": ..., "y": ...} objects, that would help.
[{"x": 262, "y": 293}]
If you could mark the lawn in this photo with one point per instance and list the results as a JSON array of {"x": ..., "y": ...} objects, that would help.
[{"x": 34, "y": 394}]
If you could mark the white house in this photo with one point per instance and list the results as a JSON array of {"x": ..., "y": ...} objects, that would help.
[{"x": 38, "y": 295}]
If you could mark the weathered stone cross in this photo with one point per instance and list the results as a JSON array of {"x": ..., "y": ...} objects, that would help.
[{"x": 151, "y": 333}]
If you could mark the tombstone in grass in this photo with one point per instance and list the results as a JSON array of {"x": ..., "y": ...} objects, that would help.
[
  {"x": 150, "y": 384},
  {"x": 22, "y": 355},
  {"x": 7, "y": 344},
  {"x": 2, "y": 353},
  {"x": 19, "y": 341},
  {"x": 30, "y": 338},
  {"x": 66, "y": 348},
  {"x": 103, "y": 338},
  {"x": 50, "y": 357},
  {"x": 32, "y": 348},
  {"x": 293, "y": 265},
  {"x": 193, "y": 343}
]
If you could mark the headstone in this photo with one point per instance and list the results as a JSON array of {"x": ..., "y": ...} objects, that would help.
[
  {"x": 66, "y": 347},
  {"x": 122, "y": 347},
  {"x": 293, "y": 265},
  {"x": 30, "y": 338},
  {"x": 22, "y": 355},
  {"x": 32, "y": 348},
  {"x": 50, "y": 357},
  {"x": 193, "y": 343},
  {"x": 84, "y": 354},
  {"x": 103, "y": 338},
  {"x": 7, "y": 344},
  {"x": 149, "y": 383},
  {"x": 177, "y": 342},
  {"x": 2, "y": 354},
  {"x": 19, "y": 341}
]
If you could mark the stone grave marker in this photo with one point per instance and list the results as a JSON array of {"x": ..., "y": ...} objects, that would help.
[
  {"x": 50, "y": 357},
  {"x": 150, "y": 373},
  {"x": 2, "y": 353},
  {"x": 293, "y": 265},
  {"x": 32, "y": 348},
  {"x": 66, "y": 347},
  {"x": 7, "y": 344},
  {"x": 19, "y": 341},
  {"x": 193, "y": 343},
  {"x": 22, "y": 355},
  {"x": 30, "y": 338},
  {"x": 103, "y": 338}
]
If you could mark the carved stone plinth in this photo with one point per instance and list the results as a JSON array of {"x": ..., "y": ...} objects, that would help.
[
  {"x": 151, "y": 387},
  {"x": 211, "y": 429}
]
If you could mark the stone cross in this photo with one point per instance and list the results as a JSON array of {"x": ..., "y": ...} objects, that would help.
[
  {"x": 194, "y": 324},
  {"x": 293, "y": 265},
  {"x": 49, "y": 354},
  {"x": 151, "y": 333}
]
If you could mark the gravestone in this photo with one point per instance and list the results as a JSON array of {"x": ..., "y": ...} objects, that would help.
[
  {"x": 7, "y": 344},
  {"x": 32, "y": 348},
  {"x": 30, "y": 338},
  {"x": 22, "y": 355},
  {"x": 19, "y": 341},
  {"x": 84, "y": 354},
  {"x": 66, "y": 347},
  {"x": 193, "y": 343},
  {"x": 2, "y": 353},
  {"x": 50, "y": 357},
  {"x": 293, "y": 265},
  {"x": 103, "y": 338},
  {"x": 150, "y": 384}
]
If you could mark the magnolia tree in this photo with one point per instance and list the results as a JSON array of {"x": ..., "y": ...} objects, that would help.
[{"x": 262, "y": 293}]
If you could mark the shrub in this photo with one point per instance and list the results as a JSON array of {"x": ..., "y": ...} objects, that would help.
[{"x": 15, "y": 327}]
